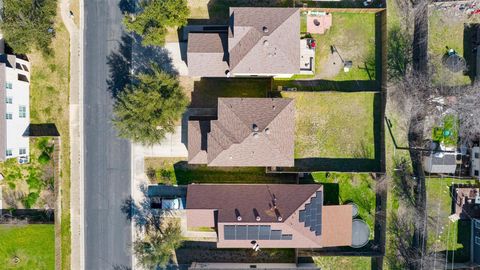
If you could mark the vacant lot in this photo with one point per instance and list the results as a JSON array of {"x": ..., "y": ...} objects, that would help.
[
  {"x": 173, "y": 171},
  {"x": 333, "y": 125},
  {"x": 342, "y": 188},
  {"x": 445, "y": 235},
  {"x": 206, "y": 91},
  {"x": 33, "y": 245}
]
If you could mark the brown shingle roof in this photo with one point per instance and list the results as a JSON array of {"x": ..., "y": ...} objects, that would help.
[
  {"x": 250, "y": 200},
  {"x": 249, "y": 132},
  {"x": 197, "y": 141},
  {"x": 264, "y": 40},
  {"x": 244, "y": 198},
  {"x": 207, "y": 54},
  {"x": 259, "y": 41}
]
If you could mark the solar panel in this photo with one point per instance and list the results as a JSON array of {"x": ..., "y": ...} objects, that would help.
[
  {"x": 241, "y": 232},
  {"x": 252, "y": 232},
  {"x": 264, "y": 232},
  {"x": 312, "y": 214},
  {"x": 275, "y": 235},
  {"x": 229, "y": 232},
  {"x": 301, "y": 215},
  {"x": 287, "y": 237}
]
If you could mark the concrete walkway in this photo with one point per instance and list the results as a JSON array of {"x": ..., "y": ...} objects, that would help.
[
  {"x": 176, "y": 49},
  {"x": 76, "y": 135}
]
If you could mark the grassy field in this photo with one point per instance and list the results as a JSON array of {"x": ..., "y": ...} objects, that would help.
[
  {"x": 353, "y": 34},
  {"x": 177, "y": 171},
  {"x": 333, "y": 125},
  {"x": 206, "y": 91},
  {"x": 342, "y": 188},
  {"x": 34, "y": 245},
  {"x": 49, "y": 99},
  {"x": 444, "y": 234},
  {"x": 340, "y": 262}
]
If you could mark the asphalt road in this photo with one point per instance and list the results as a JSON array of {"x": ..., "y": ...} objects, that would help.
[{"x": 107, "y": 158}]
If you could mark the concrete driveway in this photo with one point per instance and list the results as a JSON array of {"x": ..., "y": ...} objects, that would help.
[{"x": 178, "y": 54}]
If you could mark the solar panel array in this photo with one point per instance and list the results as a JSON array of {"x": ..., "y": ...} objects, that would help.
[
  {"x": 253, "y": 232},
  {"x": 312, "y": 214}
]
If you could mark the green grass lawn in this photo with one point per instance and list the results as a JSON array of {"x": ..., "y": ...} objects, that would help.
[
  {"x": 444, "y": 234},
  {"x": 443, "y": 31},
  {"x": 353, "y": 34},
  {"x": 34, "y": 245},
  {"x": 206, "y": 91},
  {"x": 174, "y": 171},
  {"x": 333, "y": 125},
  {"x": 342, "y": 188},
  {"x": 341, "y": 262}
]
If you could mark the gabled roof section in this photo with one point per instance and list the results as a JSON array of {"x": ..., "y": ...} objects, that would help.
[
  {"x": 207, "y": 54},
  {"x": 264, "y": 40},
  {"x": 252, "y": 132},
  {"x": 249, "y": 200},
  {"x": 197, "y": 141}
]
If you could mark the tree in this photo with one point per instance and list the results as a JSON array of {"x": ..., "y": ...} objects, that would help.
[
  {"x": 155, "y": 17},
  {"x": 159, "y": 244},
  {"x": 148, "y": 108},
  {"x": 28, "y": 24}
]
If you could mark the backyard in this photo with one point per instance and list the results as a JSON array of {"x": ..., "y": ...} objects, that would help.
[
  {"x": 27, "y": 247},
  {"x": 333, "y": 125},
  {"x": 343, "y": 188},
  {"x": 353, "y": 35},
  {"x": 451, "y": 238},
  {"x": 30, "y": 185},
  {"x": 447, "y": 29},
  {"x": 176, "y": 171}
]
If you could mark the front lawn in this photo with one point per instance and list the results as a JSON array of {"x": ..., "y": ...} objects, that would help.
[
  {"x": 33, "y": 245},
  {"x": 333, "y": 125},
  {"x": 206, "y": 91},
  {"x": 445, "y": 235},
  {"x": 342, "y": 188},
  {"x": 176, "y": 171}
]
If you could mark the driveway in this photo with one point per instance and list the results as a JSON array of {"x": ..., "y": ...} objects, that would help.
[{"x": 178, "y": 54}]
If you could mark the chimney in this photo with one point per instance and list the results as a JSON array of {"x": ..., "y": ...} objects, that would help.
[
  {"x": 237, "y": 214},
  {"x": 256, "y": 214}
]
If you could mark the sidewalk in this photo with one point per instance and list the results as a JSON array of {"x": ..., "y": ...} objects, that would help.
[{"x": 76, "y": 135}]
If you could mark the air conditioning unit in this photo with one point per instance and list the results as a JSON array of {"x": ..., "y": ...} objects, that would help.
[{"x": 23, "y": 160}]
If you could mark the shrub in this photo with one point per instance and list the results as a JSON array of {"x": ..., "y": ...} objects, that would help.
[
  {"x": 30, "y": 200},
  {"x": 44, "y": 158}
]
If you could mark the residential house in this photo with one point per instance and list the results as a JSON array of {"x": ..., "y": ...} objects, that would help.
[
  {"x": 475, "y": 242},
  {"x": 248, "y": 132},
  {"x": 14, "y": 106},
  {"x": 475, "y": 162},
  {"x": 257, "y": 42},
  {"x": 269, "y": 215}
]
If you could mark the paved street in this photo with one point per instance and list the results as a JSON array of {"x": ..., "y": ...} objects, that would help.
[{"x": 107, "y": 158}]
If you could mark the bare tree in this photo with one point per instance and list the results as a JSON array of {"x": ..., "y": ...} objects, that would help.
[{"x": 467, "y": 109}]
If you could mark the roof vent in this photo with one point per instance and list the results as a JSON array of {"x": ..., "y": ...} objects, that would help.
[
  {"x": 265, "y": 43},
  {"x": 267, "y": 131},
  {"x": 237, "y": 213},
  {"x": 258, "y": 218},
  {"x": 255, "y": 127},
  {"x": 255, "y": 135},
  {"x": 273, "y": 107},
  {"x": 265, "y": 29},
  {"x": 279, "y": 218},
  {"x": 256, "y": 214}
]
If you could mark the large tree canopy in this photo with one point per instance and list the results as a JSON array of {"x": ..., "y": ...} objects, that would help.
[
  {"x": 155, "y": 16},
  {"x": 148, "y": 108},
  {"x": 28, "y": 24}
]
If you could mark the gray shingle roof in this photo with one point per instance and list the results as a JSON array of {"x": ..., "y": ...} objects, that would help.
[{"x": 248, "y": 132}]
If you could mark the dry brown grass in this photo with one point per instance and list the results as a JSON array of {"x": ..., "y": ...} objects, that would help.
[{"x": 49, "y": 100}]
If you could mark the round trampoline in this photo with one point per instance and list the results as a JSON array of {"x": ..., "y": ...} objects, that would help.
[
  {"x": 360, "y": 233},
  {"x": 354, "y": 209},
  {"x": 455, "y": 63}
]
